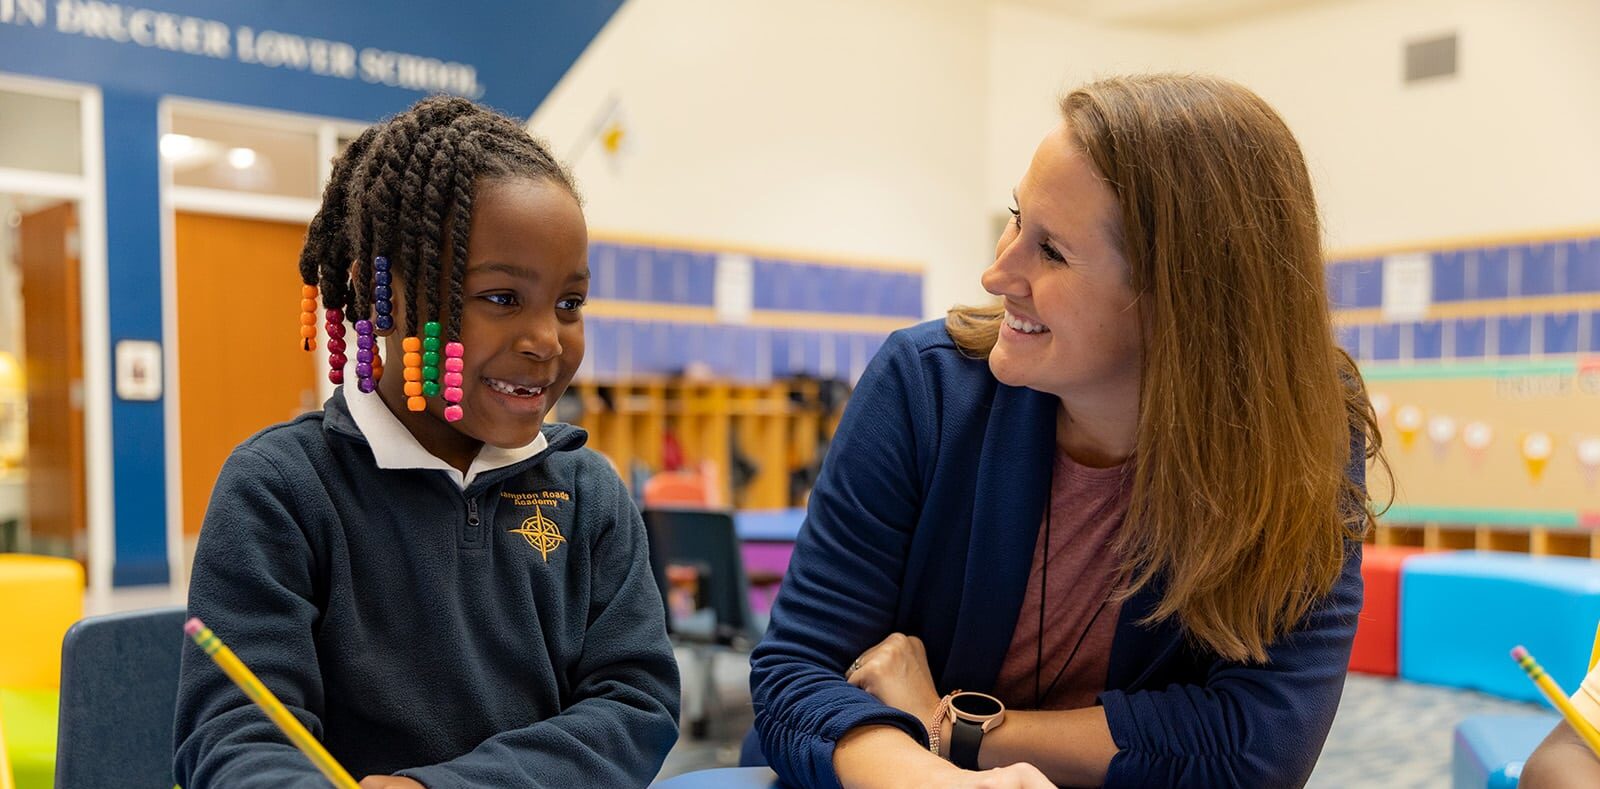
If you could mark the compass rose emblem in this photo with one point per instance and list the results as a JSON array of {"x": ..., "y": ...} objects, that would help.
[{"x": 541, "y": 533}]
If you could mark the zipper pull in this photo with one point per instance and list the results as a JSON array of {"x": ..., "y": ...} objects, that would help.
[{"x": 472, "y": 512}]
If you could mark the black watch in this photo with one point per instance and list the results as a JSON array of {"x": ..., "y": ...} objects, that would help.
[{"x": 971, "y": 715}]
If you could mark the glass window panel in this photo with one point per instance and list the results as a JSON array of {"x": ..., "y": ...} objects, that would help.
[
  {"x": 40, "y": 133},
  {"x": 240, "y": 156}
]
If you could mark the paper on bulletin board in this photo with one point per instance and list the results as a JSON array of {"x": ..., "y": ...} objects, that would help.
[
  {"x": 734, "y": 290},
  {"x": 1407, "y": 286},
  {"x": 1500, "y": 436},
  {"x": 138, "y": 366}
]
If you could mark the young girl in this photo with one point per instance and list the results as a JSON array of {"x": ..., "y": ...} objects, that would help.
[{"x": 447, "y": 592}]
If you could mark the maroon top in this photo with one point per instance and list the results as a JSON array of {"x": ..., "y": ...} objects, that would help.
[{"x": 1087, "y": 508}]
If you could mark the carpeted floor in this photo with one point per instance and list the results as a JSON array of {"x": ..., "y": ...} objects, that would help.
[{"x": 1397, "y": 734}]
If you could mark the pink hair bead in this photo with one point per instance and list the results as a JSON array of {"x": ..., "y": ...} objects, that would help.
[
  {"x": 452, "y": 380},
  {"x": 452, "y": 393}
]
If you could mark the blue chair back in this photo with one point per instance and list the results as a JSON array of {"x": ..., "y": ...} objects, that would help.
[
  {"x": 119, "y": 693},
  {"x": 708, "y": 541}
]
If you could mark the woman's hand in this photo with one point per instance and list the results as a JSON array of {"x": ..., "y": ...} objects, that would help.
[
  {"x": 389, "y": 782},
  {"x": 1016, "y": 776},
  {"x": 883, "y": 757},
  {"x": 896, "y": 672}
]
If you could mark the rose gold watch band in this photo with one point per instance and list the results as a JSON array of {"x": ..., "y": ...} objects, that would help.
[{"x": 936, "y": 724}]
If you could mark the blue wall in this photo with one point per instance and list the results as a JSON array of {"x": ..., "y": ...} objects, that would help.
[
  {"x": 1487, "y": 277},
  {"x": 794, "y": 330},
  {"x": 518, "y": 50}
]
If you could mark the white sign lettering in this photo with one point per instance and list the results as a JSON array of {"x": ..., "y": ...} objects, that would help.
[
  {"x": 23, "y": 12},
  {"x": 192, "y": 35}
]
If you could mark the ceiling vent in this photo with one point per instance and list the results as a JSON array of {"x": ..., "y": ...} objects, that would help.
[{"x": 1430, "y": 58}]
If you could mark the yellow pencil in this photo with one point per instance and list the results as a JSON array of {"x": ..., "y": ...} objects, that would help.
[
  {"x": 1558, "y": 697},
  {"x": 258, "y": 693}
]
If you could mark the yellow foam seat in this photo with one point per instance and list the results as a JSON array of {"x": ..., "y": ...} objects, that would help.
[
  {"x": 42, "y": 596},
  {"x": 30, "y": 723}
]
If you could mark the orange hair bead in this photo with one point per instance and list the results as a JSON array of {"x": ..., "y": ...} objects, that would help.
[
  {"x": 308, "y": 317},
  {"x": 413, "y": 373}
]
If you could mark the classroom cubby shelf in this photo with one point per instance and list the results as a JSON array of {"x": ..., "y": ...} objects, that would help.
[
  {"x": 773, "y": 429},
  {"x": 1535, "y": 540}
]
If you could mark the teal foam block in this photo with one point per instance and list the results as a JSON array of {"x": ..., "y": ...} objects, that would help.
[
  {"x": 1461, "y": 613},
  {"x": 1490, "y": 750}
]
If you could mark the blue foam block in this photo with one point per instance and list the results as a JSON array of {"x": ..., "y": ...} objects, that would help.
[
  {"x": 1489, "y": 750},
  {"x": 1462, "y": 612}
]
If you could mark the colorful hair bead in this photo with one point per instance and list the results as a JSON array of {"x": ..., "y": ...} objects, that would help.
[
  {"x": 381, "y": 295},
  {"x": 308, "y": 317},
  {"x": 452, "y": 394},
  {"x": 413, "y": 374},
  {"x": 452, "y": 368},
  {"x": 430, "y": 359},
  {"x": 364, "y": 346},
  {"x": 336, "y": 360}
]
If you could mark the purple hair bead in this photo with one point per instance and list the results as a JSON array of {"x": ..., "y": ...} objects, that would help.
[{"x": 364, "y": 342}]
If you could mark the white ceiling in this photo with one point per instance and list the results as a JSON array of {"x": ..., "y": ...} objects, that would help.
[{"x": 1175, "y": 14}]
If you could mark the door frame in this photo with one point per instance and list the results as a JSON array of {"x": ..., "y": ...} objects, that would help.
[
  {"x": 89, "y": 190},
  {"x": 220, "y": 202}
]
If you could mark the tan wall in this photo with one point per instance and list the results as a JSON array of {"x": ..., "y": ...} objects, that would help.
[{"x": 1565, "y": 405}]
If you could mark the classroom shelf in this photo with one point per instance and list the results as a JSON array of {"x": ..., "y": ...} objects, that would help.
[
  {"x": 1534, "y": 540},
  {"x": 768, "y": 430}
]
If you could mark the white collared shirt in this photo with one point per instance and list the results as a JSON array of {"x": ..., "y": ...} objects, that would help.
[{"x": 393, "y": 446}]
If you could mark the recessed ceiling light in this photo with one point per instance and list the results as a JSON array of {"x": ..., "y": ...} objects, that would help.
[
  {"x": 241, "y": 158},
  {"x": 178, "y": 146}
]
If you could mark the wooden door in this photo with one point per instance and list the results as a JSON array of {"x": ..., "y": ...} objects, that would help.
[
  {"x": 240, "y": 364},
  {"x": 53, "y": 357}
]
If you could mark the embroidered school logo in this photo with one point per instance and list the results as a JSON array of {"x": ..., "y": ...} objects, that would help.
[{"x": 541, "y": 533}]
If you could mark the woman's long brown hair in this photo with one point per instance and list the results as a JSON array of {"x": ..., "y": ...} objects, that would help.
[{"x": 1248, "y": 409}]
